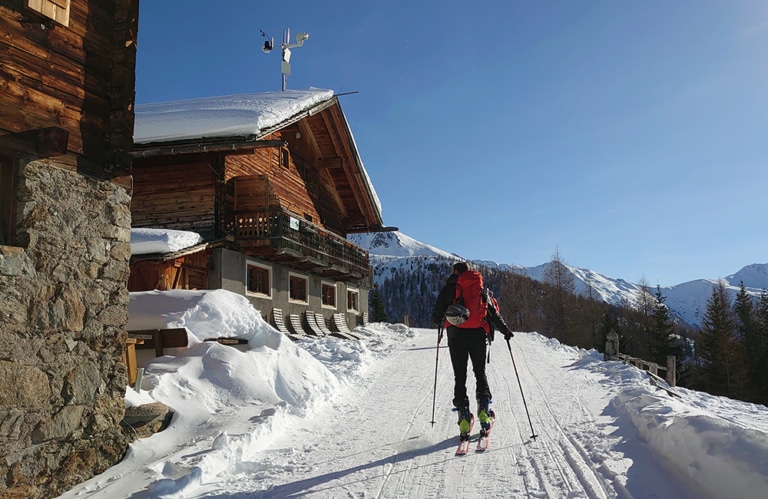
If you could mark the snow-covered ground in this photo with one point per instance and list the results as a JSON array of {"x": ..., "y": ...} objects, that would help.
[{"x": 336, "y": 418}]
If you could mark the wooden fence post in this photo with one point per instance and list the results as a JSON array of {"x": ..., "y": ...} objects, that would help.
[{"x": 671, "y": 370}]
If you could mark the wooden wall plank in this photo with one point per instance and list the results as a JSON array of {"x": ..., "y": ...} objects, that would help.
[
  {"x": 79, "y": 77},
  {"x": 178, "y": 196}
]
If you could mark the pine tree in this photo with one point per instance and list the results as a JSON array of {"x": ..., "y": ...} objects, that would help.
[
  {"x": 746, "y": 336},
  {"x": 376, "y": 304},
  {"x": 716, "y": 345},
  {"x": 660, "y": 331},
  {"x": 761, "y": 347}
]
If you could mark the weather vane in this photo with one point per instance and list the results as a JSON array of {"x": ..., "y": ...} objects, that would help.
[{"x": 285, "y": 66}]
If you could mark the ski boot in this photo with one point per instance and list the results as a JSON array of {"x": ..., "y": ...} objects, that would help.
[
  {"x": 486, "y": 417},
  {"x": 466, "y": 419}
]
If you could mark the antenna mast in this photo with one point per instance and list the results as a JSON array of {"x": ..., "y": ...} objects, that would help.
[{"x": 285, "y": 64}]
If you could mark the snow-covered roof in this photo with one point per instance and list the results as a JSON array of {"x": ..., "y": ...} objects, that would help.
[
  {"x": 146, "y": 241},
  {"x": 230, "y": 115},
  {"x": 233, "y": 115}
]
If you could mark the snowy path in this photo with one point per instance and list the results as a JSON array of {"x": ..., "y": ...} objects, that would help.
[{"x": 376, "y": 440}]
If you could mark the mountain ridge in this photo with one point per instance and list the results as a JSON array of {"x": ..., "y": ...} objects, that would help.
[{"x": 687, "y": 300}]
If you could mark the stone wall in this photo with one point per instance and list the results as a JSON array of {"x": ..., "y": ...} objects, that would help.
[{"x": 63, "y": 311}]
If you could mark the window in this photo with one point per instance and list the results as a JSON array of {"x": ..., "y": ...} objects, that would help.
[
  {"x": 298, "y": 288},
  {"x": 258, "y": 279},
  {"x": 7, "y": 201},
  {"x": 353, "y": 300},
  {"x": 329, "y": 294},
  {"x": 284, "y": 158}
]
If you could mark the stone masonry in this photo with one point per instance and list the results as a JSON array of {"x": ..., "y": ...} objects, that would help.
[{"x": 63, "y": 311}]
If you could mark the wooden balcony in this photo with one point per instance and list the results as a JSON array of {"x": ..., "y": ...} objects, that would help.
[{"x": 280, "y": 236}]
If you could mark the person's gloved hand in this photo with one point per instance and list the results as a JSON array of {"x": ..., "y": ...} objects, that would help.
[{"x": 508, "y": 335}]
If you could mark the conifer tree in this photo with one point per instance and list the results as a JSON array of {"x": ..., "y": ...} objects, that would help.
[
  {"x": 378, "y": 314},
  {"x": 761, "y": 347},
  {"x": 717, "y": 350},
  {"x": 746, "y": 337},
  {"x": 660, "y": 330}
]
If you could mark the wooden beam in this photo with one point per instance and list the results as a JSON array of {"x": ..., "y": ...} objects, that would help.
[
  {"x": 40, "y": 143},
  {"x": 306, "y": 131},
  {"x": 333, "y": 162},
  {"x": 181, "y": 147}
]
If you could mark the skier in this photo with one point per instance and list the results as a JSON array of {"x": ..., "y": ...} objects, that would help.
[{"x": 468, "y": 339}]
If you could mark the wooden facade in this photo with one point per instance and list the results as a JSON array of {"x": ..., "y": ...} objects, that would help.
[
  {"x": 68, "y": 82},
  {"x": 176, "y": 271}
]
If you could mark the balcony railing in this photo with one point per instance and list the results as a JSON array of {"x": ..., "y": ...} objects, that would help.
[{"x": 282, "y": 236}]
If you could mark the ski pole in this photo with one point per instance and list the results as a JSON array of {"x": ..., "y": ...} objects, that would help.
[
  {"x": 437, "y": 357},
  {"x": 533, "y": 433},
  {"x": 490, "y": 339}
]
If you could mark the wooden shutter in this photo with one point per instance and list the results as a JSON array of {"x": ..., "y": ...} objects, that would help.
[{"x": 58, "y": 10}]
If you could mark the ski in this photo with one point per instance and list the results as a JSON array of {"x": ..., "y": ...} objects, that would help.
[
  {"x": 463, "y": 447},
  {"x": 482, "y": 442},
  {"x": 485, "y": 434}
]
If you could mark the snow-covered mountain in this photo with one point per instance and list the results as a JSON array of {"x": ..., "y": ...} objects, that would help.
[
  {"x": 392, "y": 252},
  {"x": 689, "y": 299},
  {"x": 397, "y": 244}
]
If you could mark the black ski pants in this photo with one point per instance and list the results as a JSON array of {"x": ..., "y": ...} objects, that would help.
[{"x": 465, "y": 344}]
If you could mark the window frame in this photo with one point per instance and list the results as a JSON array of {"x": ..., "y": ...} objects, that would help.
[
  {"x": 285, "y": 157},
  {"x": 335, "y": 295},
  {"x": 292, "y": 277},
  {"x": 249, "y": 292},
  {"x": 353, "y": 292}
]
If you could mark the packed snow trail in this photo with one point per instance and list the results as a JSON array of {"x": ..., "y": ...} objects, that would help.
[{"x": 375, "y": 439}]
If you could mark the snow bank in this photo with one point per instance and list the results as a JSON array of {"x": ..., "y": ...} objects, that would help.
[{"x": 719, "y": 456}]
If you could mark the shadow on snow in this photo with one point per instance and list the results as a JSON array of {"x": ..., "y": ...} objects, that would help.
[{"x": 301, "y": 487}]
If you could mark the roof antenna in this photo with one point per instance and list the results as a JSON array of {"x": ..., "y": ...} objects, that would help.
[{"x": 285, "y": 66}]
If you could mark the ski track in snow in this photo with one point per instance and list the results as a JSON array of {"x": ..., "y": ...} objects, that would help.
[{"x": 375, "y": 439}]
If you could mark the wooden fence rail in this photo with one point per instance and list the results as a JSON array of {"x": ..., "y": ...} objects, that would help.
[{"x": 612, "y": 353}]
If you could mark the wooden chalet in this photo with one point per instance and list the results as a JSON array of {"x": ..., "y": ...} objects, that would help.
[{"x": 273, "y": 182}]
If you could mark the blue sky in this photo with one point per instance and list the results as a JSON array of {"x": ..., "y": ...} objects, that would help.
[{"x": 630, "y": 136}]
